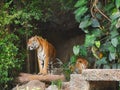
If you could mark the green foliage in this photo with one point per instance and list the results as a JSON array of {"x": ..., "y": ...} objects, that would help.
[
  {"x": 101, "y": 61},
  {"x": 10, "y": 64},
  {"x": 76, "y": 49},
  {"x": 81, "y": 9},
  {"x": 89, "y": 40},
  {"x": 68, "y": 67},
  {"x": 117, "y": 3},
  {"x": 66, "y": 70},
  {"x": 97, "y": 44},
  {"x": 8, "y": 61},
  {"x": 100, "y": 21},
  {"x": 80, "y": 50},
  {"x": 58, "y": 83}
]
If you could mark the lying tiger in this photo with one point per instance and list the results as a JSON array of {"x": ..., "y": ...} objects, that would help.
[
  {"x": 45, "y": 52},
  {"x": 80, "y": 64}
]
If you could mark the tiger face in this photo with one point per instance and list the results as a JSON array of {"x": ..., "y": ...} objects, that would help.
[
  {"x": 81, "y": 64},
  {"x": 33, "y": 43}
]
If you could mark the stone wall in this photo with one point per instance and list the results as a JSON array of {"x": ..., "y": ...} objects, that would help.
[{"x": 95, "y": 79}]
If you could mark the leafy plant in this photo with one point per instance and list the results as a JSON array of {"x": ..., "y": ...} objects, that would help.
[
  {"x": 80, "y": 50},
  {"x": 100, "y": 21},
  {"x": 58, "y": 83},
  {"x": 67, "y": 70},
  {"x": 9, "y": 64}
]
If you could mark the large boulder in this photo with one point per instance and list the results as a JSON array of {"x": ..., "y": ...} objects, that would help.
[
  {"x": 66, "y": 86},
  {"x": 52, "y": 87},
  {"x": 31, "y": 85}
]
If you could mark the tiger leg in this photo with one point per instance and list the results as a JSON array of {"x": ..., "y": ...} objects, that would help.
[
  {"x": 45, "y": 67},
  {"x": 40, "y": 66}
]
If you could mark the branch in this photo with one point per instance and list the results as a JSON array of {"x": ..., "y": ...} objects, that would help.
[
  {"x": 94, "y": 5},
  {"x": 102, "y": 13}
]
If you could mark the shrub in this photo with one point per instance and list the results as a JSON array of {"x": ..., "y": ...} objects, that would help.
[{"x": 9, "y": 63}]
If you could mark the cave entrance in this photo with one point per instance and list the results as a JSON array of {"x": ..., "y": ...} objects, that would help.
[
  {"x": 64, "y": 40},
  {"x": 63, "y": 33}
]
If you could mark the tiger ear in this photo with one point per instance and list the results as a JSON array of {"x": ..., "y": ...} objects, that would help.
[{"x": 36, "y": 36}]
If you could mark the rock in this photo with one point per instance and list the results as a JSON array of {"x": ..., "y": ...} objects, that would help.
[
  {"x": 32, "y": 85},
  {"x": 77, "y": 82},
  {"x": 95, "y": 79},
  {"x": 66, "y": 86},
  {"x": 52, "y": 87}
]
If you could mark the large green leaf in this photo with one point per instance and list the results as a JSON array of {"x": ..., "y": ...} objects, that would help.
[
  {"x": 114, "y": 33},
  {"x": 118, "y": 23},
  {"x": 97, "y": 32},
  {"x": 118, "y": 49},
  {"x": 80, "y": 3},
  {"x": 76, "y": 49},
  {"x": 115, "y": 15},
  {"x": 83, "y": 51},
  {"x": 117, "y": 3},
  {"x": 114, "y": 42},
  {"x": 80, "y": 12},
  {"x": 101, "y": 61},
  {"x": 111, "y": 48},
  {"x": 97, "y": 44},
  {"x": 89, "y": 40},
  {"x": 85, "y": 24},
  {"x": 95, "y": 22},
  {"x": 109, "y": 7},
  {"x": 73, "y": 59},
  {"x": 112, "y": 56}
]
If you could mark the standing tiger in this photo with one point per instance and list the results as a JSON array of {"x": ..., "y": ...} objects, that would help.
[{"x": 45, "y": 52}]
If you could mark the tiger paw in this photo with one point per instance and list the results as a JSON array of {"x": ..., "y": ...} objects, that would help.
[
  {"x": 42, "y": 73},
  {"x": 39, "y": 73}
]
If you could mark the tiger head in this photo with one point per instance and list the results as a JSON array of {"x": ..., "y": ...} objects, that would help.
[
  {"x": 81, "y": 64},
  {"x": 33, "y": 43}
]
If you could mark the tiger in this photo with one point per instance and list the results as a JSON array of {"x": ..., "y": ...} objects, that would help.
[
  {"x": 45, "y": 52},
  {"x": 80, "y": 64}
]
